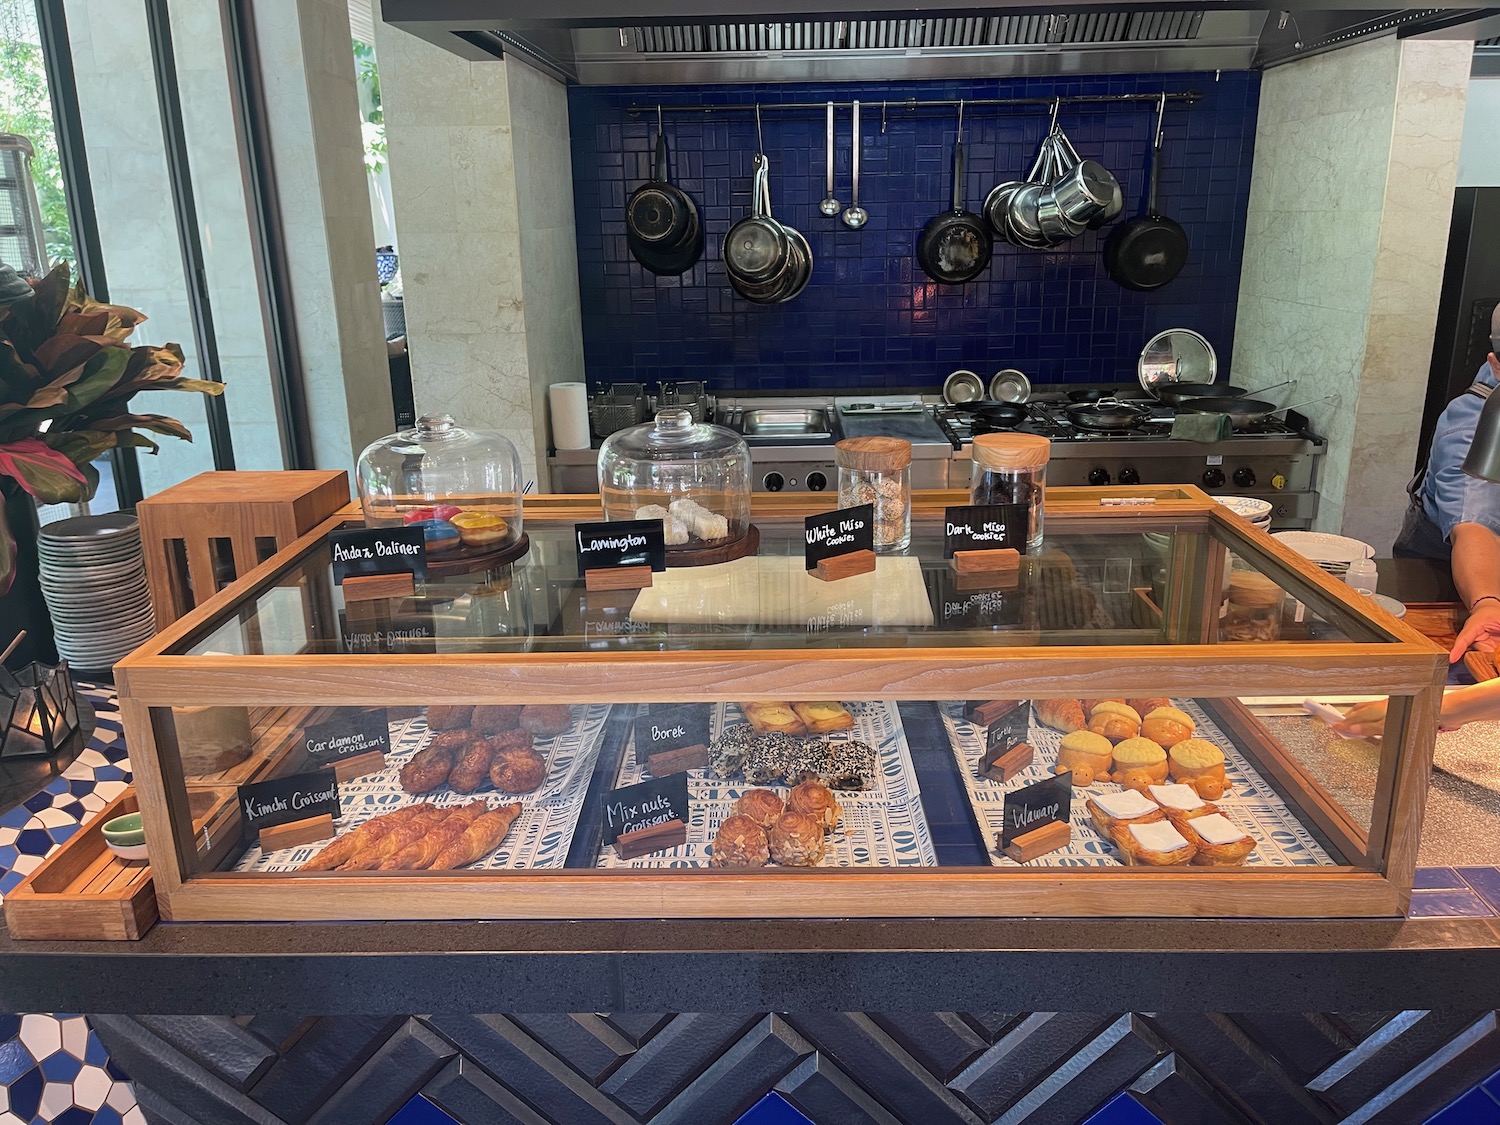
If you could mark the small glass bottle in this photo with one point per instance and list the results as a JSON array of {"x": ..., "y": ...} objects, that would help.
[
  {"x": 877, "y": 470},
  {"x": 1012, "y": 469}
]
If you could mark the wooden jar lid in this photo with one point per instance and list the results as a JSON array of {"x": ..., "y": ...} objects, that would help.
[
  {"x": 873, "y": 454},
  {"x": 1249, "y": 589},
  {"x": 1011, "y": 451}
]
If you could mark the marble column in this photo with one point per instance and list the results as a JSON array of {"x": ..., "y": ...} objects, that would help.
[{"x": 1356, "y": 157}]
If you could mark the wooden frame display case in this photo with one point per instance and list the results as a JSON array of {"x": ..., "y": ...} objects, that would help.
[{"x": 1125, "y": 602}]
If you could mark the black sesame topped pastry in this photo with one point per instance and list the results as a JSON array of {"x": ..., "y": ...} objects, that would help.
[
  {"x": 850, "y": 765},
  {"x": 807, "y": 761},
  {"x": 726, "y": 754},
  {"x": 767, "y": 758}
]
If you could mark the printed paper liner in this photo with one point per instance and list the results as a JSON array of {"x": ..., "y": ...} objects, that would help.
[
  {"x": 541, "y": 835},
  {"x": 1281, "y": 840},
  {"x": 880, "y": 827}
]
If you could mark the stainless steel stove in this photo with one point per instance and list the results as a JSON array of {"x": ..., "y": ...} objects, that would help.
[{"x": 1276, "y": 460}]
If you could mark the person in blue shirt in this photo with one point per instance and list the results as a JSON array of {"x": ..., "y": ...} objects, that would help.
[{"x": 1456, "y": 517}]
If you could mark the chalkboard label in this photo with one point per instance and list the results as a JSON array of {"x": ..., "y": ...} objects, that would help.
[
  {"x": 1008, "y": 730},
  {"x": 641, "y": 806},
  {"x": 619, "y": 543},
  {"x": 1036, "y": 805},
  {"x": 377, "y": 550},
  {"x": 281, "y": 800},
  {"x": 985, "y": 527},
  {"x": 977, "y": 609},
  {"x": 670, "y": 728},
  {"x": 358, "y": 733},
  {"x": 839, "y": 533}
]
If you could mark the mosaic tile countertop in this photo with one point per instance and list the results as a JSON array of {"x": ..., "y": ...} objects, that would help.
[{"x": 1251, "y": 803}]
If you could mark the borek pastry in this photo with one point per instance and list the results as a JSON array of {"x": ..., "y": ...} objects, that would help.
[
  {"x": 726, "y": 754},
  {"x": 850, "y": 765},
  {"x": 767, "y": 758},
  {"x": 808, "y": 759}
]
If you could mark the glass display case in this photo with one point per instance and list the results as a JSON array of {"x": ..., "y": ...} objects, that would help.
[{"x": 744, "y": 740}]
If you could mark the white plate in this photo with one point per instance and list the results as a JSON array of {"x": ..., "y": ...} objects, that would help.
[
  {"x": 1252, "y": 509},
  {"x": 1390, "y": 605},
  {"x": 1325, "y": 549}
]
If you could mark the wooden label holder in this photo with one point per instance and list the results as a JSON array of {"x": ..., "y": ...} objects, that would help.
[
  {"x": 655, "y": 838},
  {"x": 997, "y": 560},
  {"x": 617, "y": 578},
  {"x": 378, "y": 587},
  {"x": 295, "y": 832},
  {"x": 1003, "y": 763},
  {"x": 844, "y": 566},
  {"x": 1039, "y": 841},
  {"x": 346, "y": 769},
  {"x": 683, "y": 758}
]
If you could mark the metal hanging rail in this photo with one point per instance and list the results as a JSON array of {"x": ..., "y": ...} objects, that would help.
[{"x": 910, "y": 105}]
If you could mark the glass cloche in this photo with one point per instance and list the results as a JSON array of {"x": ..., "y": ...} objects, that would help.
[
  {"x": 462, "y": 487},
  {"x": 694, "y": 477}
]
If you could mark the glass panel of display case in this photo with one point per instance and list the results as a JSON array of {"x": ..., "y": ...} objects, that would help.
[
  {"x": 730, "y": 786},
  {"x": 1162, "y": 584}
]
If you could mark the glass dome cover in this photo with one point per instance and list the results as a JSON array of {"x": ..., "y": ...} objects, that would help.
[
  {"x": 694, "y": 477},
  {"x": 462, "y": 486}
]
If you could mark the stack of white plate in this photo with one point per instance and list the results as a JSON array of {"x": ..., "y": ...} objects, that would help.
[
  {"x": 93, "y": 576},
  {"x": 1258, "y": 512},
  {"x": 1333, "y": 553}
]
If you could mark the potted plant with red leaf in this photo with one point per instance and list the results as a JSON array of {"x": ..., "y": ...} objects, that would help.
[{"x": 67, "y": 375}]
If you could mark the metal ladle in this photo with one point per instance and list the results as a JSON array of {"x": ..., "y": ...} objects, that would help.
[
  {"x": 855, "y": 216},
  {"x": 830, "y": 206}
]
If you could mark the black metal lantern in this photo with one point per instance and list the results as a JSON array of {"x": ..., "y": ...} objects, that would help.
[{"x": 39, "y": 709}]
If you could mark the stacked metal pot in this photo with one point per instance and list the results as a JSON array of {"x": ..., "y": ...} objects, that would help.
[
  {"x": 767, "y": 262},
  {"x": 1062, "y": 196}
]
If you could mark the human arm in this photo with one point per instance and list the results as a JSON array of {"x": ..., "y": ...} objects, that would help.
[
  {"x": 1476, "y": 574},
  {"x": 1476, "y": 703}
]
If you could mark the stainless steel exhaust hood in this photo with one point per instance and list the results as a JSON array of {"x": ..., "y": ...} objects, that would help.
[{"x": 669, "y": 42}]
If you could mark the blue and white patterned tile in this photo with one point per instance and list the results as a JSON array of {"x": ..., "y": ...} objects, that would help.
[{"x": 53, "y": 1069}]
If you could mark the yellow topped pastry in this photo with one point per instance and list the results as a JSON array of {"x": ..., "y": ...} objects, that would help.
[
  {"x": 1200, "y": 764},
  {"x": 1139, "y": 762},
  {"x": 1087, "y": 754},
  {"x": 1116, "y": 721},
  {"x": 1168, "y": 726}
]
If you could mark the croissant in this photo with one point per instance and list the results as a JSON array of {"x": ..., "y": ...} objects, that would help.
[
  {"x": 1065, "y": 715},
  {"x": 480, "y": 838},
  {"x": 409, "y": 830},
  {"x": 362, "y": 837},
  {"x": 419, "y": 854}
]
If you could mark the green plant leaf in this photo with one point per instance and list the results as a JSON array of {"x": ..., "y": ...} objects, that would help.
[
  {"x": 82, "y": 446},
  {"x": 158, "y": 423},
  {"x": 65, "y": 353},
  {"x": 7, "y": 554},
  {"x": 100, "y": 375},
  {"x": 18, "y": 378},
  {"x": 48, "y": 475},
  {"x": 137, "y": 441},
  {"x": 52, "y": 295}
]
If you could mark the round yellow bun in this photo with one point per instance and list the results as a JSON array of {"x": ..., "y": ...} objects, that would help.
[
  {"x": 1194, "y": 757},
  {"x": 1087, "y": 742},
  {"x": 1174, "y": 714},
  {"x": 1138, "y": 752},
  {"x": 1115, "y": 707},
  {"x": 1168, "y": 726},
  {"x": 1088, "y": 755}
]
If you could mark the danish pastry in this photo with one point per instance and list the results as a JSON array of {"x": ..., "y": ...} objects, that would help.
[
  {"x": 1182, "y": 798},
  {"x": 821, "y": 718},
  {"x": 771, "y": 718},
  {"x": 1066, "y": 715},
  {"x": 518, "y": 771},
  {"x": 1153, "y": 843},
  {"x": 1108, "y": 809},
  {"x": 1218, "y": 840},
  {"x": 1087, "y": 754}
]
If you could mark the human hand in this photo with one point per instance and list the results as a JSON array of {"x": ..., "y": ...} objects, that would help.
[
  {"x": 1365, "y": 721},
  {"x": 1481, "y": 631}
]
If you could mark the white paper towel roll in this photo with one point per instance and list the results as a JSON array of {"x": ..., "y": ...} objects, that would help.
[{"x": 570, "y": 415}]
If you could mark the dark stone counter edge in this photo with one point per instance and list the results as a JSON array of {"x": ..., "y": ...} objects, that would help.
[{"x": 926, "y": 965}]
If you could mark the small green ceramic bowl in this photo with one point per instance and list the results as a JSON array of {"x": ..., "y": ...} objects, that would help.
[{"x": 125, "y": 831}]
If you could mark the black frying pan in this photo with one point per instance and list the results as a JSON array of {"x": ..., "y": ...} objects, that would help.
[
  {"x": 1175, "y": 394},
  {"x": 1151, "y": 249},
  {"x": 999, "y": 413},
  {"x": 1107, "y": 416},
  {"x": 662, "y": 220},
  {"x": 955, "y": 247}
]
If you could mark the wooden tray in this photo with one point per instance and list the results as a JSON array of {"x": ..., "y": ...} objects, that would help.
[
  {"x": 84, "y": 892},
  {"x": 746, "y": 544}
]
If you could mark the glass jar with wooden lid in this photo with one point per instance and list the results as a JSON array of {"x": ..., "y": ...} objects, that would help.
[
  {"x": 877, "y": 471},
  {"x": 1252, "y": 609},
  {"x": 1011, "y": 469}
]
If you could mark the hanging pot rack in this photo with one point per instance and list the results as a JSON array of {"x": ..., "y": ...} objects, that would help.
[{"x": 911, "y": 105}]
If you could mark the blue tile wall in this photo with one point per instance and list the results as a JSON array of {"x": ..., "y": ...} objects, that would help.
[{"x": 870, "y": 318}]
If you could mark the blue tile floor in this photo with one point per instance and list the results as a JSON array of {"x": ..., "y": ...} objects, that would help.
[{"x": 54, "y": 1070}]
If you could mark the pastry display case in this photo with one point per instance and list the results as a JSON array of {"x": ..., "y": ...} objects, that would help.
[{"x": 1082, "y": 737}]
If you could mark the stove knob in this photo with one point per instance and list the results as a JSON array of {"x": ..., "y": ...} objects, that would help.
[
  {"x": 1245, "y": 477},
  {"x": 816, "y": 482},
  {"x": 1213, "y": 477},
  {"x": 774, "y": 482},
  {"x": 1278, "y": 482},
  {"x": 1128, "y": 475},
  {"x": 1098, "y": 476}
]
